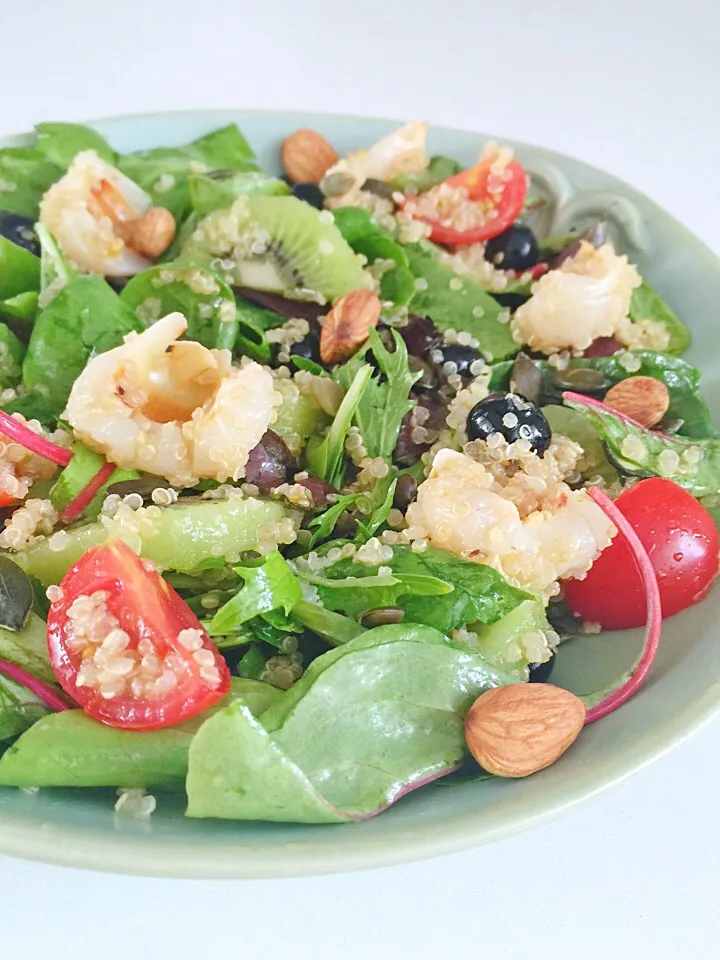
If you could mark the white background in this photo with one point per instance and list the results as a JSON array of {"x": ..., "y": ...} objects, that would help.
[{"x": 630, "y": 86}]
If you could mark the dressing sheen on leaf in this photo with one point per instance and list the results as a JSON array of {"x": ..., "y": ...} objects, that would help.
[{"x": 366, "y": 723}]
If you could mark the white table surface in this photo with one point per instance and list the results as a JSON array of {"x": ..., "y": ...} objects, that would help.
[{"x": 631, "y": 86}]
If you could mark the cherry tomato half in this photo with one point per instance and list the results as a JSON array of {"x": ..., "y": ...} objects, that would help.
[
  {"x": 681, "y": 539},
  {"x": 501, "y": 200},
  {"x": 131, "y": 652},
  {"x": 6, "y": 500}
]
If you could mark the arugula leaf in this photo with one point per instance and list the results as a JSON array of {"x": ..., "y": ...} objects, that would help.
[
  {"x": 25, "y": 175},
  {"x": 70, "y": 749},
  {"x": 480, "y": 592},
  {"x": 365, "y": 724},
  {"x": 469, "y": 309},
  {"x": 647, "y": 304},
  {"x": 219, "y": 189},
  {"x": 700, "y": 477},
  {"x": 12, "y": 352},
  {"x": 60, "y": 143},
  {"x": 223, "y": 149},
  {"x": 324, "y": 457},
  {"x": 267, "y": 587},
  {"x": 324, "y": 524},
  {"x": 204, "y": 299},
  {"x": 19, "y": 709},
  {"x": 85, "y": 318},
  {"x": 438, "y": 169},
  {"x": 386, "y": 398},
  {"x": 19, "y": 270}
]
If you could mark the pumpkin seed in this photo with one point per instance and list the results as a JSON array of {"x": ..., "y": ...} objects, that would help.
[
  {"x": 582, "y": 380},
  {"x": 381, "y": 616},
  {"x": 16, "y": 595},
  {"x": 526, "y": 379}
]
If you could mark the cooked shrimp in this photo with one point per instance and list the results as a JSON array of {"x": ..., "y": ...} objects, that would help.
[
  {"x": 460, "y": 508},
  {"x": 89, "y": 210},
  {"x": 586, "y": 298},
  {"x": 402, "y": 151},
  {"x": 174, "y": 409}
]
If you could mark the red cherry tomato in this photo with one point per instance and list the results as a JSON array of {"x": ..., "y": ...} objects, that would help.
[
  {"x": 6, "y": 500},
  {"x": 157, "y": 665},
  {"x": 681, "y": 539},
  {"x": 501, "y": 200}
]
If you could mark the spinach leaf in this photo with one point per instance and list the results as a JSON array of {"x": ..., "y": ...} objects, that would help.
[
  {"x": 398, "y": 284},
  {"x": 252, "y": 323},
  {"x": 219, "y": 189},
  {"x": 467, "y": 309},
  {"x": 22, "y": 308},
  {"x": 55, "y": 269},
  {"x": 27, "y": 647},
  {"x": 438, "y": 169},
  {"x": 16, "y": 596},
  {"x": 368, "y": 722},
  {"x": 480, "y": 592},
  {"x": 206, "y": 301},
  {"x": 267, "y": 587},
  {"x": 25, "y": 175},
  {"x": 19, "y": 709},
  {"x": 693, "y": 464},
  {"x": 386, "y": 397},
  {"x": 356, "y": 224},
  {"x": 647, "y": 304},
  {"x": 324, "y": 456},
  {"x": 70, "y": 749},
  {"x": 572, "y": 424},
  {"x": 12, "y": 352},
  {"x": 85, "y": 318},
  {"x": 60, "y": 143},
  {"x": 84, "y": 465},
  {"x": 33, "y": 407},
  {"x": 19, "y": 270},
  {"x": 164, "y": 171}
]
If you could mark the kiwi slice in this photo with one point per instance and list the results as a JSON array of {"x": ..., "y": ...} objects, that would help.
[{"x": 277, "y": 244}]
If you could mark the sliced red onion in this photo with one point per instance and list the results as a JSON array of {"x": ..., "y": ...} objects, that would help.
[
  {"x": 41, "y": 690},
  {"x": 32, "y": 441},
  {"x": 584, "y": 401},
  {"x": 82, "y": 501},
  {"x": 653, "y": 626}
]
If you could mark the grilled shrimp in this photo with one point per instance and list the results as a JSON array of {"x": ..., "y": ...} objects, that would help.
[
  {"x": 172, "y": 408},
  {"x": 585, "y": 298},
  {"x": 461, "y": 509},
  {"x": 91, "y": 211}
]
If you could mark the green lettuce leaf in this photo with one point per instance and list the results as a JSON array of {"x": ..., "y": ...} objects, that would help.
[
  {"x": 438, "y": 169},
  {"x": 12, "y": 352},
  {"x": 647, "y": 304},
  {"x": 25, "y": 175},
  {"x": 219, "y": 189},
  {"x": 19, "y": 709},
  {"x": 19, "y": 269},
  {"x": 324, "y": 456},
  {"x": 269, "y": 586},
  {"x": 61, "y": 142}
]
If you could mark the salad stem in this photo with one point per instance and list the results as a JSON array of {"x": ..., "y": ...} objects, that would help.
[
  {"x": 33, "y": 441},
  {"x": 41, "y": 690}
]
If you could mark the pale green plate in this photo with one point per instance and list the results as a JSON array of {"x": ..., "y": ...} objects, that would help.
[{"x": 78, "y": 829}]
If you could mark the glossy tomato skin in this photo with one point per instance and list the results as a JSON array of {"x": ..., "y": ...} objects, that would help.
[
  {"x": 681, "y": 539},
  {"x": 508, "y": 204},
  {"x": 148, "y": 608}
]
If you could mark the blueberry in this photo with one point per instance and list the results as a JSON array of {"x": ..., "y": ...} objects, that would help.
[
  {"x": 20, "y": 230},
  {"x": 310, "y": 193},
  {"x": 540, "y": 672},
  {"x": 511, "y": 415},
  {"x": 461, "y": 355},
  {"x": 514, "y": 249}
]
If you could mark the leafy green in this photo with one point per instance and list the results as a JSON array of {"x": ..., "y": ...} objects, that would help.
[
  {"x": 251, "y": 664},
  {"x": 647, "y": 304},
  {"x": 572, "y": 424},
  {"x": 19, "y": 709},
  {"x": 12, "y": 352},
  {"x": 25, "y": 175},
  {"x": 16, "y": 596},
  {"x": 60, "y": 143},
  {"x": 324, "y": 524},
  {"x": 438, "y": 169},
  {"x": 27, "y": 647},
  {"x": 495, "y": 641},
  {"x": 33, "y": 407},
  {"x": 469, "y": 309},
  {"x": 69, "y": 749},
  {"x": 19, "y": 269},
  {"x": 55, "y": 269},
  {"x": 331, "y": 626},
  {"x": 386, "y": 397},
  {"x": 86, "y": 317},
  {"x": 217, "y": 190},
  {"x": 84, "y": 465},
  {"x": 164, "y": 171},
  {"x": 701, "y": 477},
  {"x": 397, "y": 285},
  {"x": 22, "y": 308},
  {"x": 252, "y": 323},
  {"x": 356, "y": 224},
  {"x": 204, "y": 299},
  {"x": 267, "y": 587},
  {"x": 365, "y": 724},
  {"x": 324, "y": 456},
  {"x": 480, "y": 592}
]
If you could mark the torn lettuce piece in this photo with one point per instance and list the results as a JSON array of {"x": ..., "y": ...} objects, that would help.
[
  {"x": 25, "y": 175},
  {"x": 61, "y": 142},
  {"x": 647, "y": 304},
  {"x": 270, "y": 585}
]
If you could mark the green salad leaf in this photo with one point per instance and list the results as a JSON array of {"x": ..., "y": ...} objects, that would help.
[
  {"x": 331, "y": 626},
  {"x": 365, "y": 724},
  {"x": 12, "y": 352},
  {"x": 269, "y": 586},
  {"x": 468, "y": 309},
  {"x": 204, "y": 299},
  {"x": 19, "y": 709},
  {"x": 16, "y": 596},
  {"x": 86, "y": 317},
  {"x": 22, "y": 309},
  {"x": 84, "y": 465},
  {"x": 164, "y": 171},
  {"x": 357, "y": 224},
  {"x": 19, "y": 269},
  {"x": 324, "y": 455},
  {"x": 220, "y": 188},
  {"x": 25, "y": 175},
  {"x": 438, "y": 169},
  {"x": 61, "y": 142},
  {"x": 55, "y": 269},
  {"x": 253, "y": 322},
  {"x": 647, "y": 304}
]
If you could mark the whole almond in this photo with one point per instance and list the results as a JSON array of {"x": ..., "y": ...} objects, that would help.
[
  {"x": 152, "y": 233},
  {"x": 516, "y": 730},
  {"x": 645, "y": 399},
  {"x": 307, "y": 156},
  {"x": 348, "y": 324}
]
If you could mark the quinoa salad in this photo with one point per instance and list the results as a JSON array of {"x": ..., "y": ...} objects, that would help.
[{"x": 305, "y": 478}]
